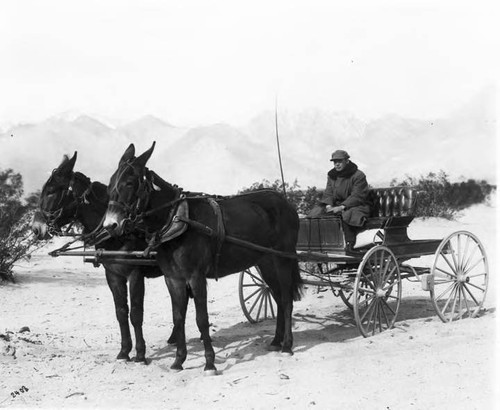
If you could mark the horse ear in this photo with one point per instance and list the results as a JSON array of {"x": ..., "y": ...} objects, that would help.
[
  {"x": 68, "y": 164},
  {"x": 128, "y": 154},
  {"x": 144, "y": 157}
]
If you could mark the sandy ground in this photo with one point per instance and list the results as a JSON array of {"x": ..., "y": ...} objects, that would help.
[{"x": 66, "y": 359}]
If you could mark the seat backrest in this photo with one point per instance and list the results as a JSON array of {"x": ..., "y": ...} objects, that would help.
[{"x": 393, "y": 201}]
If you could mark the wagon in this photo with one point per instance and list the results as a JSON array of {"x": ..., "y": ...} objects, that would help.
[{"x": 369, "y": 279}]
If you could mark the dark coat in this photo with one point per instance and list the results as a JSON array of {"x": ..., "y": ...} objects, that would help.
[{"x": 349, "y": 188}]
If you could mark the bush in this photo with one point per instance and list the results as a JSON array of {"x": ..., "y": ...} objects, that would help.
[
  {"x": 438, "y": 197},
  {"x": 16, "y": 241},
  {"x": 302, "y": 200}
]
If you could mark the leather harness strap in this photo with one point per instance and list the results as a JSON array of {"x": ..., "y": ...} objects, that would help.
[{"x": 220, "y": 234}]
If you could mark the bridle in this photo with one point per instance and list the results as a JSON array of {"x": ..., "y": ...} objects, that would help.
[
  {"x": 135, "y": 212},
  {"x": 53, "y": 216}
]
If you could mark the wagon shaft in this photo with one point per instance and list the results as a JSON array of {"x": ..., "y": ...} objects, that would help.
[{"x": 120, "y": 257}]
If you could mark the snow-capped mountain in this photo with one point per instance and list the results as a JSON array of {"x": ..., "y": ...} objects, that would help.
[{"x": 223, "y": 159}]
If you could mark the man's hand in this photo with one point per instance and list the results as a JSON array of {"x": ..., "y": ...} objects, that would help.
[{"x": 335, "y": 209}]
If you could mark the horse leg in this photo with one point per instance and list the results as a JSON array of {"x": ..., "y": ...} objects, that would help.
[
  {"x": 118, "y": 286},
  {"x": 199, "y": 288},
  {"x": 286, "y": 271},
  {"x": 136, "y": 288},
  {"x": 179, "y": 298},
  {"x": 268, "y": 272}
]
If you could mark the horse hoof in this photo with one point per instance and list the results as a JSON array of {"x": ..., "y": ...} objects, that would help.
[
  {"x": 211, "y": 372},
  {"x": 273, "y": 348},
  {"x": 123, "y": 357},
  {"x": 286, "y": 353},
  {"x": 176, "y": 368},
  {"x": 142, "y": 360}
]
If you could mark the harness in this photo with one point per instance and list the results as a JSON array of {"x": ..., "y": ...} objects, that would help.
[{"x": 177, "y": 221}]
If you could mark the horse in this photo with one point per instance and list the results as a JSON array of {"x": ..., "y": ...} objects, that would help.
[
  {"x": 68, "y": 197},
  {"x": 203, "y": 249}
]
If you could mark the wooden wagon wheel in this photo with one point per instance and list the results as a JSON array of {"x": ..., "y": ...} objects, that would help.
[
  {"x": 459, "y": 277},
  {"x": 377, "y": 291},
  {"x": 256, "y": 300}
]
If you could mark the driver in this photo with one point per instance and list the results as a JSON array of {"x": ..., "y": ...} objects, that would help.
[{"x": 346, "y": 194}]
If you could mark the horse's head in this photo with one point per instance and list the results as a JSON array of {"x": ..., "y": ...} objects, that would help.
[
  {"x": 128, "y": 189},
  {"x": 57, "y": 205}
]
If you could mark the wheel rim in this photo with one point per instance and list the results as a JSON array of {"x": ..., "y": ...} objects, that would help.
[
  {"x": 347, "y": 296},
  {"x": 256, "y": 300},
  {"x": 377, "y": 291},
  {"x": 459, "y": 277}
]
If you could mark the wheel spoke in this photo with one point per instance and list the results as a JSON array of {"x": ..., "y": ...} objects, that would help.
[
  {"x": 262, "y": 302},
  {"x": 473, "y": 253},
  {"x": 259, "y": 297},
  {"x": 454, "y": 303},
  {"x": 448, "y": 262},
  {"x": 452, "y": 275},
  {"x": 471, "y": 295},
  {"x": 462, "y": 262},
  {"x": 454, "y": 254},
  {"x": 390, "y": 286},
  {"x": 388, "y": 307},
  {"x": 372, "y": 316},
  {"x": 443, "y": 281},
  {"x": 380, "y": 317},
  {"x": 476, "y": 286},
  {"x": 475, "y": 264},
  {"x": 370, "y": 306},
  {"x": 459, "y": 291},
  {"x": 446, "y": 291},
  {"x": 477, "y": 274},
  {"x": 259, "y": 289},
  {"x": 449, "y": 297},
  {"x": 254, "y": 277},
  {"x": 465, "y": 300},
  {"x": 366, "y": 290},
  {"x": 385, "y": 314}
]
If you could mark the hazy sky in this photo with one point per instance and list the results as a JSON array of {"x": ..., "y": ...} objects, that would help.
[{"x": 201, "y": 61}]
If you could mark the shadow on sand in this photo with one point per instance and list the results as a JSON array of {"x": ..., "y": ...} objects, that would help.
[{"x": 244, "y": 341}]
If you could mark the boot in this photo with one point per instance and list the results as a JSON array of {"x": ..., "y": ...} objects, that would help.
[{"x": 349, "y": 248}]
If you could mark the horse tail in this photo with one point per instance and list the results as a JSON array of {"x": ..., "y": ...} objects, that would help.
[{"x": 297, "y": 283}]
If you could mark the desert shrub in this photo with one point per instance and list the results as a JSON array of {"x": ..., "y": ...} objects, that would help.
[
  {"x": 16, "y": 241},
  {"x": 302, "y": 200},
  {"x": 438, "y": 197}
]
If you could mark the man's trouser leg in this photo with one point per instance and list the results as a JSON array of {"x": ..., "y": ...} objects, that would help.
[{"x": 349, "y": 234}]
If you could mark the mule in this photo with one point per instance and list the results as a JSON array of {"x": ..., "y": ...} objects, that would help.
[
  {"x": 69, "y": 197},
  {"x": 263, "y": 218}
]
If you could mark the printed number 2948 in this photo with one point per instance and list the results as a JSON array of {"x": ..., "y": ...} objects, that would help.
[{"x": 15, "y": 393}]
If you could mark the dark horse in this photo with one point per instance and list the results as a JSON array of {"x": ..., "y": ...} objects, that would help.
[
  {"x": 69, "y": 197},
  {"x": 263, "y": 218}
]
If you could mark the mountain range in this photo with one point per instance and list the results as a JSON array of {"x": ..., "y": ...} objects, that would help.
[{"x": 223, "y": 159}]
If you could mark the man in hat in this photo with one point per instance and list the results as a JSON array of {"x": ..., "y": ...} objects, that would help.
[{"x": 346, "y": 194}]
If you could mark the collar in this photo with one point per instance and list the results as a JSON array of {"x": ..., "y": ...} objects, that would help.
[{"x": 347, "y": 172}]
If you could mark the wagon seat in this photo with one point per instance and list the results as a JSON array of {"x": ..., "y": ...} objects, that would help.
[{"x": 392, "y": 211}]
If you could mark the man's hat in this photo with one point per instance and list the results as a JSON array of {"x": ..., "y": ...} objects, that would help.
[{"x": 340, "y": 154}]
